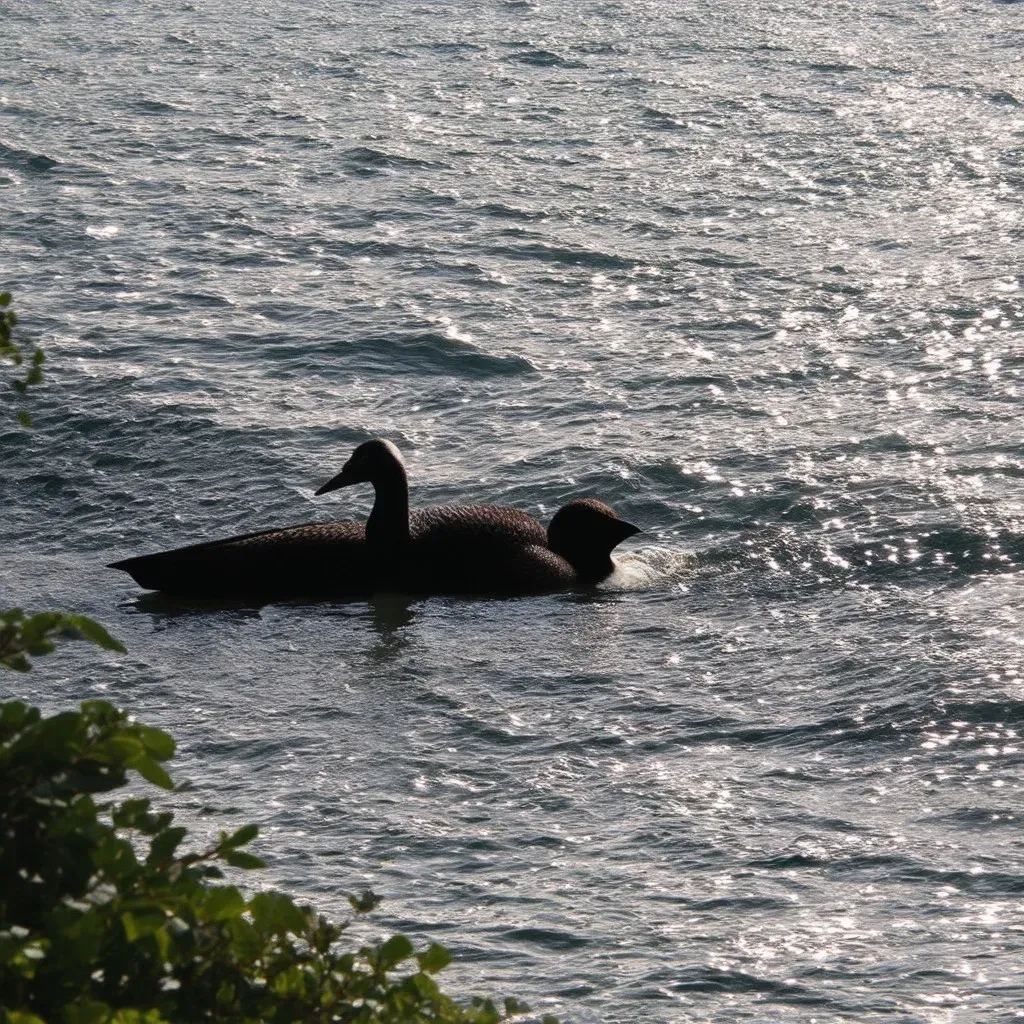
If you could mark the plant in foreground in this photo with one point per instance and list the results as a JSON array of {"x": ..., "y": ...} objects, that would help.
[
  {"x": 22, "y": 636},
  {"x": 103, "y": 917},
  {"x": 11, "y": 351}
]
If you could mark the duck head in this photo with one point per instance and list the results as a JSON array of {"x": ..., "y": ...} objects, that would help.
[
  {"x": 372, "y": 462},
  {"x": 584, "y": 532}
]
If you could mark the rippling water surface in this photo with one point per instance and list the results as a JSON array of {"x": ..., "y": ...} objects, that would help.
[{"x": 751, "y": 273}]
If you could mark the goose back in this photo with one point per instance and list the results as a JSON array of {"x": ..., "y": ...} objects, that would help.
[
  {"x": 473, "y": 549},
  {"x": 308, "y": 560}
]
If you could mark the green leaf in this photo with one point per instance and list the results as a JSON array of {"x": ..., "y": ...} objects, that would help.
[
  {"x": 425, "y": 986},
  {"x": 130, "y": 814},
  {"x": 222, "y": 903},
  {"x": 243, "y": 835},
  {"x": 54, "y": 735},
  {"x": 152, "y": 772},
  {"x": 163, "y": 941},
  {"x": 276, "y": 914},
  {"x": 435, "y": 959},
  {"x": 10, "y": 949},
  {"x": 92, "y": 630},
  {"x": 114, "y": 857},
  {"x": 21, "y": 635},
  {"x": 14, "y": 715},
  {"x": 101, "y": 711},
  {"x": 121, "y": 748},
  {"x": 394, "y": 951},
  {"x": 5, "y": 298},
  {"x": 26, "y": 421},
  {"x": 163, "y": 845},
  {"x": 240, "y": 859},
  {"x": 156, "y": 741},
  {"x": 225, "y": 994},
  {"x": 87, "y": 1011}
]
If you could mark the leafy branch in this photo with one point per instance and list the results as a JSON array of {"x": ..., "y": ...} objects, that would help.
[
  {"x": 30, "y": 635},
  {"x": 11, "y": 351},
  {"x": 23, "y": 636},
  {"x": 103, "y": 918}
]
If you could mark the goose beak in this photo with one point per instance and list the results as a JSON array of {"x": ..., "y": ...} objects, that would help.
[{"x": 344, "y": 479}]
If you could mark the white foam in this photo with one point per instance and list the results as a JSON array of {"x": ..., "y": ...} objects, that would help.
[{"x": 651, "y": 568}]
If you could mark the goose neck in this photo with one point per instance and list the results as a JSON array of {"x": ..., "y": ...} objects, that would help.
[{"x": 388, "y": 523}]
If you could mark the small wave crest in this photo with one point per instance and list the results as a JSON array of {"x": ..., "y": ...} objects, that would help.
[
  {"x": 544, "y": 59},
  {"x": 26, "y": 159},
  {"x": 366, "y": 161}
]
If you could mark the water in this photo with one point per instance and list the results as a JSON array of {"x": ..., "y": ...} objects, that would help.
[{"x": 751, "y": 273}]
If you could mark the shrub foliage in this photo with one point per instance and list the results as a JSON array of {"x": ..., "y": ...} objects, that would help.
[
  {"x": 104, "y": 917},
  {"x": 11, "y": 351},
  {"x": 23, "y": 635}
]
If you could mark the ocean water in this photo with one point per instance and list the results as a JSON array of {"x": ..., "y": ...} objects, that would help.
[{"x": 749, "y": 272}]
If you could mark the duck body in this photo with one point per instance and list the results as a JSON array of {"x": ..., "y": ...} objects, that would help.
[
  {"x": 459, "y": 549},
  {"x": 471, "y": 549}
]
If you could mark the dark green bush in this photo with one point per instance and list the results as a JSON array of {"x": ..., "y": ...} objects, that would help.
[
  {"x": 105, "y": 920},
  {"x": 103, "y": 917}
]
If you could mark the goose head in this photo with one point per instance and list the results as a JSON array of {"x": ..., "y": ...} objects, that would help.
[{"x": 371, "y": 463}]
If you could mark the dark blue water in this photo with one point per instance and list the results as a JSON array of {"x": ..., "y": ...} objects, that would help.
[{"x": 750, "y": 273}]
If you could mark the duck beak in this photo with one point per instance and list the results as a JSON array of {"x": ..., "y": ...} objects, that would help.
[
  {"x": 621, "y": 530},
  {"x": 345, "y": 478}
]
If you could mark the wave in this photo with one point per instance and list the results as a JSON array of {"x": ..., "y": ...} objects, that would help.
[
  {"x": 26, "y": 159},
  {"x": 429, "y": 353},
  {"x": 366, "y": 161},
  {"x": 651, "y": 568},
  {"x": 543, "y": 59},
  {"x": 576, "y": 257}
]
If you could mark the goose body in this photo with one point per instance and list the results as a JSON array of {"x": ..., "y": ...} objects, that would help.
[{"x": 315, "y": 560}]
